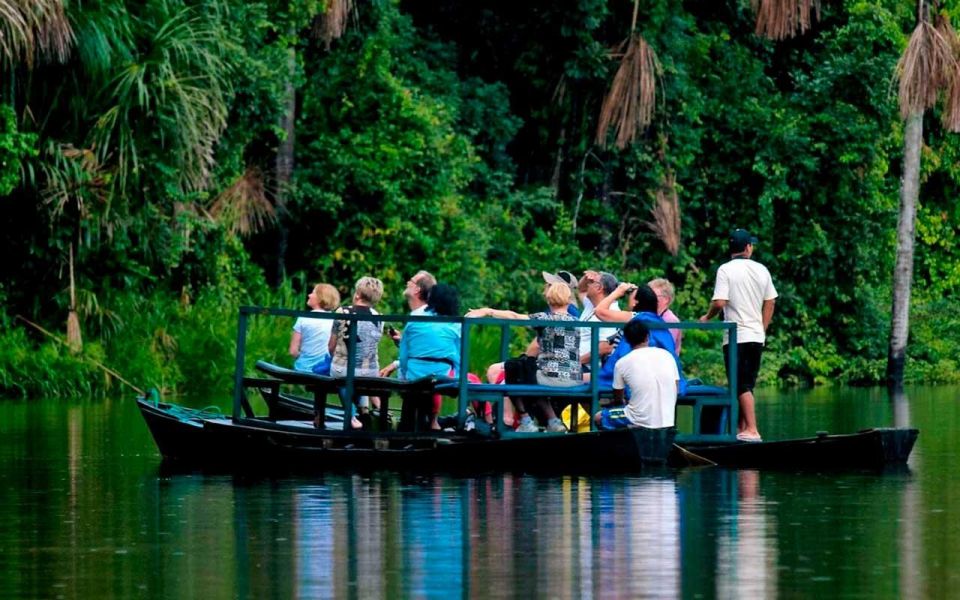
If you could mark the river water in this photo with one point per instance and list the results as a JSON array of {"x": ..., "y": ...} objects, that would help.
[{"x": 88, "y": 512}]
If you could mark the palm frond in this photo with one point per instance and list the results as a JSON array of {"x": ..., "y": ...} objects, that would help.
[
  {"x": 243, "y": 208},
  {"x": 951, "y": 83},
  {"x": 629, "y": 104},
  {"x": 332, "y": 24},
  {"x": 924, "y": 69},
  {"x": 666, "y": 214},
  {"x": 175, "y": 94},
  {"x": 782, "y": 19},
  {"x": 31, "y": 28},
  {"x": 73, "y": 178}
]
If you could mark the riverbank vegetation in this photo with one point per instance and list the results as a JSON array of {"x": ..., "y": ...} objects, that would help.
[{"x": 196, "y": 155}]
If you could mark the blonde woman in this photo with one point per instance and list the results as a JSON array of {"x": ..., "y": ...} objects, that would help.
[
  {"x": 557, "y": 349},
  {"x": 309, "y": 342},
  {"x": 366, "y": 294}
]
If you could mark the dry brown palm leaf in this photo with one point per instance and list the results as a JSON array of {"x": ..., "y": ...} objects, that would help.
[
  {"x": 74, "y": 339},
  {"x": 782, "y": 19},
  {"x": 924, "y": 68},
  {"x": 34, "y": 27},
  {"x": 629, "y": 104},
  {"x": 666, "y": 214},
  {"x": 951, "y": 83},
  {"x": 951, "y": 101},
  {"x": 333, "y": 22},
  {"x": 243, "y": 208}
]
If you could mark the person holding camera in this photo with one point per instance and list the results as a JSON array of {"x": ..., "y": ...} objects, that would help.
[
  {"x": 644, "y": 303},
  {"x": 416, "y": 294}
]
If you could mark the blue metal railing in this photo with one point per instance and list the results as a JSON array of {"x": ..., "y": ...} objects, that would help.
[{"x": 467, "y": 324}]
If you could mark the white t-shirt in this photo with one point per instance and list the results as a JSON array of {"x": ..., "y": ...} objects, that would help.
[
  {"x": 588, "y": 315},
  {"x": 314, "y": 335},
  {"x": 744, "y": 284},
  {"x": 651, "y": 374}
]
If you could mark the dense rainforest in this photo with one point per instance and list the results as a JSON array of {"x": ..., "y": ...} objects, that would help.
[{"x": 180, "y": 158}]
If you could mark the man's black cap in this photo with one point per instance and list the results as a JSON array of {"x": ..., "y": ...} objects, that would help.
[{"x": 739, "y": 239}]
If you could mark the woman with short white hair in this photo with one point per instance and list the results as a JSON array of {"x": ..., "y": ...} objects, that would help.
[{"x": 366, "y": 294}]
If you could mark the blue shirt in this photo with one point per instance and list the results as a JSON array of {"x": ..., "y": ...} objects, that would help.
[
  {"x": 438, "y": 341},
  {"x": 659, "y": 338}
]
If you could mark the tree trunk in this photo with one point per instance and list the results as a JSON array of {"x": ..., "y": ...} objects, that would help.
[
  {"x": 906, "y": 227},
  {"x": 284, "y": 164}
]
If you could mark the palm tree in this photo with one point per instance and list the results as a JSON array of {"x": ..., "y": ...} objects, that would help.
[
  {"x": 327, "y": 26},
  {"x": 929, "y": 65}
]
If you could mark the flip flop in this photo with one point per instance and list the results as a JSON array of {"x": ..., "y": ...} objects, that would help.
[{"x": 744, "y": 437}]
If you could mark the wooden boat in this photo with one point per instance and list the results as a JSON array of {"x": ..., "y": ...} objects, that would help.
[
  {"x": 304, "y": 432},
  {"x": 869, "y": 448},
  {"x": 264, "y": 443}
]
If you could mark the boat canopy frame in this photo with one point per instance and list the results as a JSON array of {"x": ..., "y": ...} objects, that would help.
[{"x": 729, "y": 400}]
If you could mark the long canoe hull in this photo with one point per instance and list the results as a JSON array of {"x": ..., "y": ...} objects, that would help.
[
  {"x": 258, "y": 444},
  {"x": 870, "y": 448},
  {"x": 275, "y": 445}
]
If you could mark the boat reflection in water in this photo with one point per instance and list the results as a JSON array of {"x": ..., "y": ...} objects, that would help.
[
  {"x": 386, "y": 536},
  {"x": 692, "y": 533}
]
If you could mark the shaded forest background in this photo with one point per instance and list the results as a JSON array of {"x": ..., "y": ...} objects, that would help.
[{"x": 458, "y": 137}]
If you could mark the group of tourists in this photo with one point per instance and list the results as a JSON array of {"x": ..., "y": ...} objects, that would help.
[{"x": 641, "y": 364}]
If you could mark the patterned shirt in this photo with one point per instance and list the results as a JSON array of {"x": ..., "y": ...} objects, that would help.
[
  {"x": 559, "y": 355},
  {"x": 368, "y": 339}
]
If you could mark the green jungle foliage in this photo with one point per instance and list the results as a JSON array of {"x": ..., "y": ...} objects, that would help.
[{"x": 460, "y": 138}]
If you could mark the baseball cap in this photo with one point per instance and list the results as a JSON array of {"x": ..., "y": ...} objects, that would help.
[{"x": 739, "y": 238}]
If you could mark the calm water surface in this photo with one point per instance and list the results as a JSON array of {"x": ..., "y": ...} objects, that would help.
[{"x": 88, "y": 513}]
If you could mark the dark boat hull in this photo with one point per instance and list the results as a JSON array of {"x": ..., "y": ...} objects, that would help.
[
  {"x": 175, "y": 436},
  {"x": 261, "y": 444},
  {"x": 258, "y": 444},
  {"x": 870, "y": 448}
]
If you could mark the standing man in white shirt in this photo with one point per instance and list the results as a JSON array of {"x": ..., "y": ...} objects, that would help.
[{"x": 744, "y": 293}]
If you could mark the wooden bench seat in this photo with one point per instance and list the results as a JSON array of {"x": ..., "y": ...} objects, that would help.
[{"x": 322, "y": 385}]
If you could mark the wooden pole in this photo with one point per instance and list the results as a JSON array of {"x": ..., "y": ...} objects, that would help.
[{"x": 95, "y": 363}]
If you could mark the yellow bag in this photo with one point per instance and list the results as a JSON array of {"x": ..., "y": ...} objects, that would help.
[{"x": 583, "y": 419}]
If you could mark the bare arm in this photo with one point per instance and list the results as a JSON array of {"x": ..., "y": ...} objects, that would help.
[
  {"x": 533, "y": 348},
  {"x": 603, "y": 308},
  {"x": 496, "y": 314},
  {"x": 716, "y": 308},
  {"x": 768, "y": 306},
  {"x": 332, "y": 344},
  {"x": 618, "y": 397},
  {"x": 295, "y": 344}
]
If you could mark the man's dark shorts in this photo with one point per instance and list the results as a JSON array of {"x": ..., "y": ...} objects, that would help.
[{"x": 748, "y": 364}]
